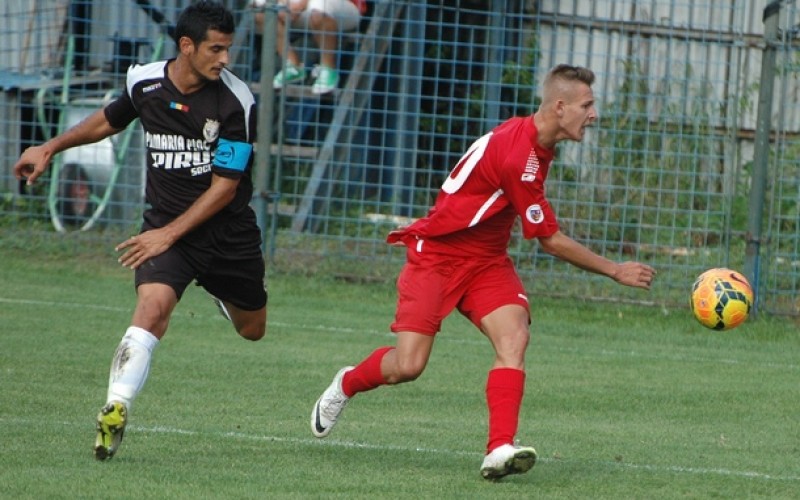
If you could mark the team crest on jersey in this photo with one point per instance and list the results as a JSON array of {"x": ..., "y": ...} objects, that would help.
[
  {"x": 534, "y": 214},
  {"x": 211, "y": 130}
]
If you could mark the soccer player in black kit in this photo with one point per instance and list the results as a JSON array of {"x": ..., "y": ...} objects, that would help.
[{"x": 199, "y": 125}]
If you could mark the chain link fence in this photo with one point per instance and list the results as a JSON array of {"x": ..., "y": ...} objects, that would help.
[{"x": 665, "y": 176}]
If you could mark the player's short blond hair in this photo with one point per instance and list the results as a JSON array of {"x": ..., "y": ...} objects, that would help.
[
  {"x": 565, "y": 74},
  {"x": 570, "y": 73}
]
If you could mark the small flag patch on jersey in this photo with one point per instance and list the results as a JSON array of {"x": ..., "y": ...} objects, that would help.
[{"x": 179, "y": 106}]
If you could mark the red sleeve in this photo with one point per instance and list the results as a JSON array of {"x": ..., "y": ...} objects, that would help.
[{"x": 525, "y": 191}]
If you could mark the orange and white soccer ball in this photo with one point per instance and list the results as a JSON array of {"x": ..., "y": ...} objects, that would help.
[{"x": 721, "y": 299}]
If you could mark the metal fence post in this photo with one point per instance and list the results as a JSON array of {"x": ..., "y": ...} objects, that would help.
[
  {"x": 758, "y": 184},
  {"x": 266, "y": 110}
]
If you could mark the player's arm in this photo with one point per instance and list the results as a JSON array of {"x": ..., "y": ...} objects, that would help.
[
  {"x": 231, "y": 159},
  {"x": 34, "y": 161},
  {"x": 148, "y": 244},
  {"x": 626, "y": 273}
]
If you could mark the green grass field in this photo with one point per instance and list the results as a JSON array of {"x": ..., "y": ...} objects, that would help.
[{"x": 621, "y": 401}]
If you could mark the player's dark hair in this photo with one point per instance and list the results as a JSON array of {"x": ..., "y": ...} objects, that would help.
[
  {"x": 571, "y": 73},
  {"x": 197, "y": 19}
]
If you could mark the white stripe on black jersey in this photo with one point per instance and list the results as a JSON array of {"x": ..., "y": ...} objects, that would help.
[{"x": 242, "y": 92}]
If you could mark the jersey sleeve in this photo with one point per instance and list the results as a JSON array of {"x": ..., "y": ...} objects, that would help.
[
  {"x": 121, "y": 111},
  {"x": 526, "y": 194},
  {"x": 233, "y": 154}
]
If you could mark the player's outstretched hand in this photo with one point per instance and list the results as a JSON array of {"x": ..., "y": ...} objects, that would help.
[
  {"x": 635, "y": 274},
  {"x": 32, "y": 163}
]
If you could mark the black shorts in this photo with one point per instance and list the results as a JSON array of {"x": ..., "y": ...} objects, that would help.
[{"x": 225, "y": 259}]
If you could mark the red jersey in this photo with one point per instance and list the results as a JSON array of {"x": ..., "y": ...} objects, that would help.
[{"x": 499, "y": 178}]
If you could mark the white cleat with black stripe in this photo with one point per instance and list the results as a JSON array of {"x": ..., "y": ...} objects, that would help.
[{"x": 329, "y": 406}]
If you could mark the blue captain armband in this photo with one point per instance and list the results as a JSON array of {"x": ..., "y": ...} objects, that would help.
[{"x": 232, "y": 155}]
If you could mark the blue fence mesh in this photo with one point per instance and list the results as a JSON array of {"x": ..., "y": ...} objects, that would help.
[{"x": 664, "y": 176}]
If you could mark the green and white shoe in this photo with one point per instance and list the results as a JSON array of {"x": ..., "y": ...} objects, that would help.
[
  {"x": 327, "y": 80},
  {"x": 289, "y": 74}
]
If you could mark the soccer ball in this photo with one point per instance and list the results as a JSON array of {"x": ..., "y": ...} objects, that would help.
[{"x": 721, "y": 299}]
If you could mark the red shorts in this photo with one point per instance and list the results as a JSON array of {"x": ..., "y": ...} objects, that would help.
[{"x": 430, "y": 286}]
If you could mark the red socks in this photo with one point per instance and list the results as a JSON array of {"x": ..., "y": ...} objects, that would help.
[
  {"x": 504, "y": 390},
  {"x": 367, "y": 375}
]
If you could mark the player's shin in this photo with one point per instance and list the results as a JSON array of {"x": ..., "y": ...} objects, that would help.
[
  {"x": 504, "y": 391},
  {"x": 367, "y": 375},
  {"x": 130, "y": 365}
]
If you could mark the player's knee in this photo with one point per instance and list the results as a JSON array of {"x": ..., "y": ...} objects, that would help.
[
  {"x": 523, "y": 337},
  {"x": 511, "y": 346},
  {"x": 254, "y": 330},
  {"x": 405, "y": 371}
]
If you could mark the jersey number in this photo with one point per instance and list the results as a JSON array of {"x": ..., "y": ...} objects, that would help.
[{"x": 466, "y": 165}]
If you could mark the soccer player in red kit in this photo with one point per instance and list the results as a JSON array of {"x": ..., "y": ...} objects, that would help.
[{"x": 457, "y": 259}]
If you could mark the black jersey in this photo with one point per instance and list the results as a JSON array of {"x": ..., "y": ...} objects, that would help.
[{"x": 184, "y": 135}]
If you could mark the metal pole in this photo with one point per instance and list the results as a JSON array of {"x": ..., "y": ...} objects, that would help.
[
  {"x": 496, "y": 54},
  {"x": 405, "y": 131},
  {"x": 758, "y": 184},
  {"x": 266, "y": 109}
]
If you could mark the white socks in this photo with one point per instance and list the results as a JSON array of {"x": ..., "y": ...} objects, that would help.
[{"x": 130, "y": 365}]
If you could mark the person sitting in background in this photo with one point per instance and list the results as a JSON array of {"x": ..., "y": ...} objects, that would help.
[{"x": 325, "y": 19}]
